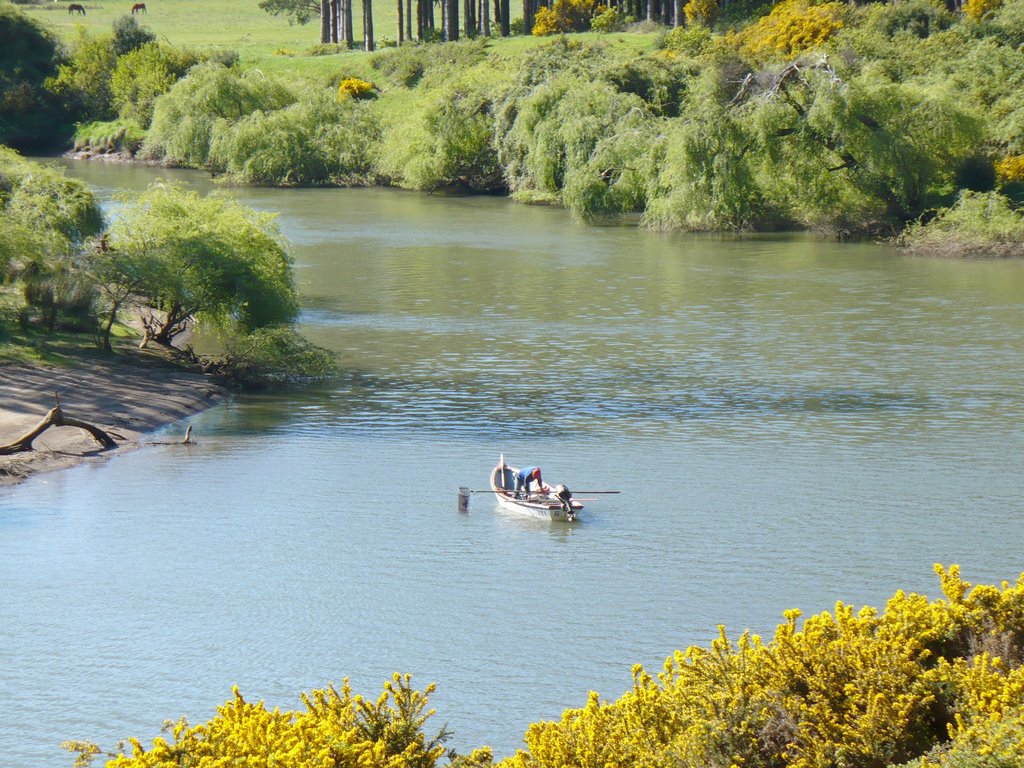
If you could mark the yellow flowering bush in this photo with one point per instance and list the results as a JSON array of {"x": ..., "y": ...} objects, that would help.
[
  {"x": 564, "y": 16},
  {"x": 336, "y": 730},
  {"x": 1010, "y": 169},
  {"x": 701, "y": 12},
  {"x": 847, "y": 688},
  {"x": 353, "y": 87},
  {"x": 978, "y": 9},
  {"x": 921, "y": 684},
  {"x": 793, "y": 26}
]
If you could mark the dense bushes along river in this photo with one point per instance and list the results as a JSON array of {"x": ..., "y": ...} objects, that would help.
[
  {"x": 922, "y": 683},
  {"x": 844, "y": 119}
]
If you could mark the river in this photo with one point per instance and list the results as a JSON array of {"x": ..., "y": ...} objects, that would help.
[{"x": 791, "y": 421}]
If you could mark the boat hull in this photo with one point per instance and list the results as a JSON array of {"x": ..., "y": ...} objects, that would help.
[{"x": 541, "y": 506}]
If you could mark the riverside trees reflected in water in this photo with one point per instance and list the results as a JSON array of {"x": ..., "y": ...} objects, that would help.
[{"x": 792, "y": 421}]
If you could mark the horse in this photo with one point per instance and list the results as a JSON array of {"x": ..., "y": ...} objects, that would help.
[
  {"x": 76, "y": 8},
  {"x": 139, "y": 8}
]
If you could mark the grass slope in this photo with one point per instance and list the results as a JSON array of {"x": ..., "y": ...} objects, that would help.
[{"x": 226, "y": 24}]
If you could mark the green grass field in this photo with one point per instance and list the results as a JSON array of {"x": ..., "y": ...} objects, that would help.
[
  {"x": 226, "y": 24},
  {"x": 242, "y": 26}
]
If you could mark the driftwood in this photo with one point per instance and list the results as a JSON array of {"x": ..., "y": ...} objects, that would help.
[{"x": 56, "y": 418}]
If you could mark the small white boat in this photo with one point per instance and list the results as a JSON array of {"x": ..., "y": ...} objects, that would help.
[{"x": 549, "y": 504}]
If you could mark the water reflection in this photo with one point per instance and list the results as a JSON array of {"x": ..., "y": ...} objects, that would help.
[{"x": 792, "y": 422}]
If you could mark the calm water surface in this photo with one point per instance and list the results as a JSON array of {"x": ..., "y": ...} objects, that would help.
[{"x": 792, "y": 422}]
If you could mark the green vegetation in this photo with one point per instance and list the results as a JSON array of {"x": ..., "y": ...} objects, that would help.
[
  {"x": 31, "y": 116},
  {"x": 979, "y": 224},
  {"x": 921, "y": 684},
  {"x": 171, "y": 260},
  {"x": 849, "y": 120}
]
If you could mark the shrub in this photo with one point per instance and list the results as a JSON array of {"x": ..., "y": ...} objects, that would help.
[
  {"x": 354, "y": 88},
  {"x": 701, "y": 12},
  {"x": 917, "y": 18},
  {"x": 793, "y": 26},
  {"x": 564, "y": 16},
  {"x": 979, "y": 9},
  {"x": 142, "y": 75},
  {"x": 84, "y": 81},
  {"x": 408, "y": 64},
  {"x": 335, "y": 728},
  {"x": 608, "y": 20},
  {"x": 30, "y": 114},
  {"x": 184, "y": 118},
  {"x": 979, "y": 224},
  {"x": 121, "y": 135},
  {"x": 1010, "y": 169},
  {"x": 451, "y": 147},
  {"x": 272, "y": 357},
  {"x": 45, "y": 221},
  {"x": 847, "y": 688},
  {"x": 1008, "y": 23},
  {"x": 315, "y": 141},
  {"x": 129, "y": 35},
  {"x": 661, "y": 82},
  {"x": 704, "y": 180},
  {"x": 691, "y": 40},
  {"x": 545, "y": 133}
]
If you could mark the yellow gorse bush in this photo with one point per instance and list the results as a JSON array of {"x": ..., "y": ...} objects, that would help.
[
  {"x": 793, "y": 26},
  {"x": 1010, "y": 169},
  {"x": 978, "y": 9},
  {"x": 353, "y": 87},
  {"x": 336, "y": 730},
  {"x": 564, "y": 16},
  {"x": 847, "y": 688},
  {"x": 701, "y": 12},
  {"x": 916, "y": 684}
]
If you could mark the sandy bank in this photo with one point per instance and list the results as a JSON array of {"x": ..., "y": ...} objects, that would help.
[{"x": 131, "y": 397}]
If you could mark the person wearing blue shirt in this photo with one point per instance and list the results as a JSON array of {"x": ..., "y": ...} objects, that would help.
[{"x": 526, "y": 476}]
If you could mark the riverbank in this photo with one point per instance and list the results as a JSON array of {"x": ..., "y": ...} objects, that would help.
[{"x": 129, "y": 396}]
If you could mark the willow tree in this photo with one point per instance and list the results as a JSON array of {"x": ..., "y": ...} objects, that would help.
[
  {"x": 208, "y": 260},
  {"x": 45, "y": 221}
]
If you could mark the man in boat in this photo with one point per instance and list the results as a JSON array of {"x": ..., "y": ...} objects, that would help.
[{"x": 526, "y": 476}]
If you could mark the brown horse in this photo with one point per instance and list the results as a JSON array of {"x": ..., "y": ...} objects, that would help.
[
  {"x": 76, "y": 8},
  {"x": 139, "y": 8}
]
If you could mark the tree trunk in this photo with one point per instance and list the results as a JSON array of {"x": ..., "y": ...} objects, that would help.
[
  {"x": 368, "y": 24},
  {"x": 505, "y": 20},
  {"x": 335, "y": 21},
  {"x": 110, "y": 324},
  {"x": 401, "y": 21},
  {"x": 346, "y": 23},
  {"x": 55, "y": 418},
  {"x": 325, "y": 21},
  {"x": 529, "y": 15},
  {"x": 451, "y": 28},
  {"x": 485, "y": 18},
  {"x": 408, "y": 20},
  {"x": 680, "y": 19}
]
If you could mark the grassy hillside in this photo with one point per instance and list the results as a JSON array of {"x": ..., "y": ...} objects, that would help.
[
  {"x": 226, "y": 24},
  {"x": 841, "y": 118}
]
